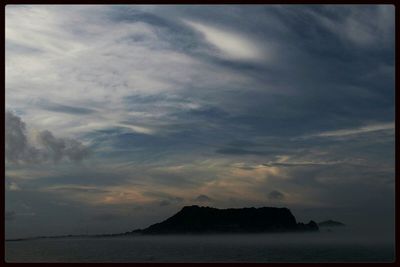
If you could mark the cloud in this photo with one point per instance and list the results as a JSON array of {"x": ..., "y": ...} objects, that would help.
[
  {"x": 119, "y": 57},
  {"x": 355, "y": 26},
  {"x": 58, "y": 148},
  {"x": 19, "y": 150},
  {"x": 67, "y": 109},
  {"x": 136, "y": 128},
  {"x": 232, "y": 45},
  {"x": 17, "y": 147},
  {"x": 301, "y": 163},
  {"x": 165, "y": 199},
  {"x": 78, "y": 189},
  {"x": 203, "y": 198},
  {"x": 239, "y": 151},
  {"x": 276, "y": 195},
  {"x": 355, "y": 131}
]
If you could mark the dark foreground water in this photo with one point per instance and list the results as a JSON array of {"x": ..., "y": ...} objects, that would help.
[{"x": 301, "y": 247}]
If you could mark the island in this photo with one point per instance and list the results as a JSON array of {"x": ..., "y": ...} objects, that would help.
[
  {"x": 199, "y": 220},
  {"x": 208, "y": 220}
]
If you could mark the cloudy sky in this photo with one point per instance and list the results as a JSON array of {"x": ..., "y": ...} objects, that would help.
[{"x": 117, "y": 116}]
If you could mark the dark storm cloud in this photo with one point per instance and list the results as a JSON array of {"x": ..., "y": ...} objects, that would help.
[{"x": 18, "y": 149}]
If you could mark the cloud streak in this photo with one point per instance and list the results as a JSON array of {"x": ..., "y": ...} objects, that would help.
[
  {"x": 359, "y": 130},
  {"x": 231, "y": 45}
]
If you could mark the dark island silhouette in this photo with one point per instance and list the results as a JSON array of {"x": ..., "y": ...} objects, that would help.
[
  {"x": 195, "y": 219},
  {"x": 331, "y": 223},
  {"x": 208, "y": 220}
]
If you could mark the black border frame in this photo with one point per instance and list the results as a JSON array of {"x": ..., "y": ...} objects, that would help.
[{"x": 203, "y": 2}]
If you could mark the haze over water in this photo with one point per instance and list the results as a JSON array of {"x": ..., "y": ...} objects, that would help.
[{"x": 337, "y": 246}]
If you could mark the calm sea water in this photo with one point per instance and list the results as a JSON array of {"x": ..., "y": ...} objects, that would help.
[{"x": 301, "y": 247}]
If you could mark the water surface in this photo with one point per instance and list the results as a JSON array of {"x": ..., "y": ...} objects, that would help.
[{"x": 300, "y": 247}]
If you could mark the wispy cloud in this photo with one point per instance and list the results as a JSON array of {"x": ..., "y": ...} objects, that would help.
[
  {"x": 355, "y": 131},
  {"x": 231, "y": 45},
  {"x": 355, "y": 25}
]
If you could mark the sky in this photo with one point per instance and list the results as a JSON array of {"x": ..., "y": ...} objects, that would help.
[{"x": 118, "y": 116}]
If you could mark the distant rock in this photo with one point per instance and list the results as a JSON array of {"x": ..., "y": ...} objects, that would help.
[
  {"x": 195, "y": 219},
  {"x": 330, "y": 223}
]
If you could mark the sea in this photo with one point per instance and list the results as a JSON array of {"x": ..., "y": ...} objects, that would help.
[{"x": 318, "y": 247}]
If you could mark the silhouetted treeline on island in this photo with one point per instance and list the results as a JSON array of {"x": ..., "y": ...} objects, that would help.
[{"x": 203, "y": 220}]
